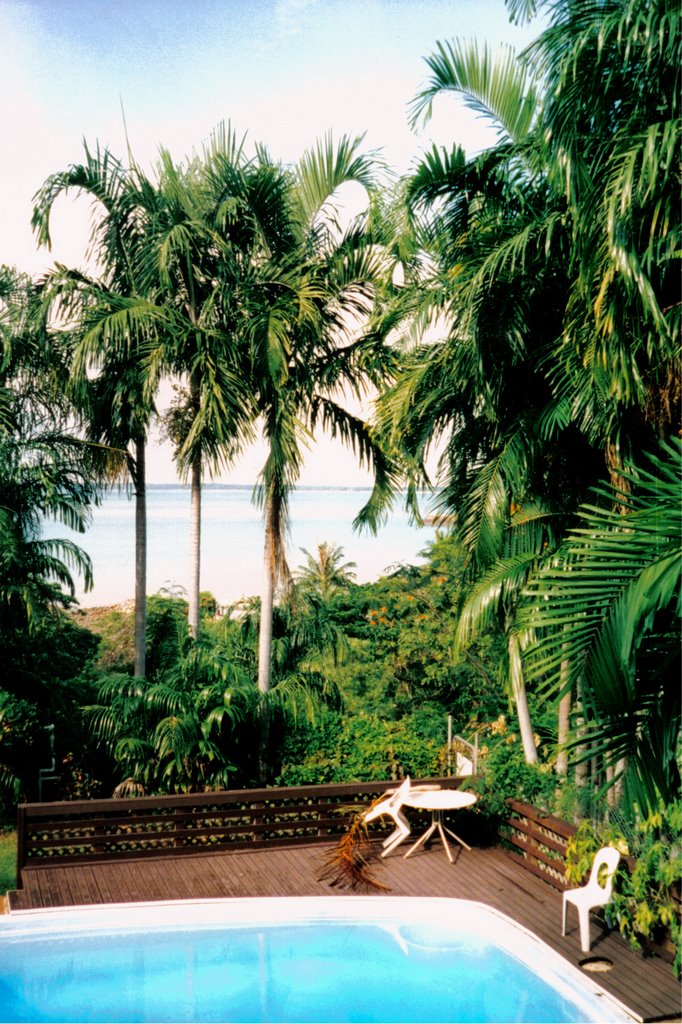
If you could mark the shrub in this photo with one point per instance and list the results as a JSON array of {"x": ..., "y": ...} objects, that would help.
[{"x": 644, "y": 905}]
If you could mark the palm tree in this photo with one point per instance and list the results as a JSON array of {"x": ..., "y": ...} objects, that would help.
[
  {"x": 551, "y": 255},
  {"x": 202, "y": 234},
  {"x": 113, "y": 337},
  {"x": 326, "y": 573},
  {"x": 606, "y": 611},
  {"x": 494, "y": 275},
  {"x": 174, "y": 734},
  {"x": 611, "y": 125},
  {"x": 304, "y": 639},
  {"x": 45, "y": 472},
  {"x": 312, "y": 286},
  {"x": 172, "y": 252}
]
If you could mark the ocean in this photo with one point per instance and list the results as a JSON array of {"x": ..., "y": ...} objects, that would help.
[{"x": 232, "y": 540}]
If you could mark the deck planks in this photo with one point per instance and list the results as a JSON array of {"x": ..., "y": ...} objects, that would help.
[{"x": 646, "y": 986}]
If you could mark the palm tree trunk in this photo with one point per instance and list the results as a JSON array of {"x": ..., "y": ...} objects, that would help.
[
  {"x": 562, "y": 734},
  {"x": 521, "y": 700},
  {"x": 193, "y": 616},
  {"x": 140, "y": 559},
  {"x": 265, "y": 636},
  {"x": 563, "y": 726},
  {"x": 267, "y": 599},
  {"x": 581, "y": 768}
]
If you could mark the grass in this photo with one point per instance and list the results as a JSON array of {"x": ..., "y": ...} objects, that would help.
[{"x": 8, "y": 861}]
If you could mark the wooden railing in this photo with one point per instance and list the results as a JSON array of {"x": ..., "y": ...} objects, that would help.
[
  {"x": 537, "y": 841},
  {"x": 94, "y": 830}
]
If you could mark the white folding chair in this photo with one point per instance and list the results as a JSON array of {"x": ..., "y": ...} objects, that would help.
[
  {"x": 390, "y": 806},
  {"x": 596, "y": 893}
]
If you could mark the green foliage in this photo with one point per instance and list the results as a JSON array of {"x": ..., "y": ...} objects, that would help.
[
  {"x": 47, "y": 677},
  {"x": 208, "y": 604},
  {"x": 606, "y": 614},
  {"x": 324, "y": 573},
  {"x": 18, "y": 732},
  {"x": 172, "y": 734},
  {"x": 114, "y": 628},
  {"x": 46, "y": 472},
  {"x": 364, "y": 747},
  {"x": 406, "y": 624},
  {"x": 504, "y": 772},
  {"x": 645, "y": 903},
  {"x": 166, "y": 632},
  {"x": 8, "y": 860}
]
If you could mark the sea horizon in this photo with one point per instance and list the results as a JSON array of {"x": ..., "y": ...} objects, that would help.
[{"x": 232, "y": 539}]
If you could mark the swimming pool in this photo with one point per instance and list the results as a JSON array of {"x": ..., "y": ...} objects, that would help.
[{"x": 288, "y": 959}]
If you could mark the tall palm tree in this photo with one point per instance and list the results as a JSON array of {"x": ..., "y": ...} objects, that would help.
[
  {"x": 113, "y": 336},
  {"x": 611, "y": 125},
  {"x": 312, "y": 286},
  {"x": 577, "y": 218},
  {"x": 202, "y": 234},
  {"x": 496, "y": 247}
]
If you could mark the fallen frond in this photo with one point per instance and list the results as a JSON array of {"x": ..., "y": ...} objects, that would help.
[{"x": 346, "y": 865}]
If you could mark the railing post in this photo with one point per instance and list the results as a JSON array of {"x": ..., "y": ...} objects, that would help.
[
  {"x": 177, "y": 826},
  {"x": 21, "y": 841},
  {"x": 256, "y": 819}
]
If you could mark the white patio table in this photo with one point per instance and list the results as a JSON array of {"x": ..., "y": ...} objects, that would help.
[{"x": 438, "y": 801}]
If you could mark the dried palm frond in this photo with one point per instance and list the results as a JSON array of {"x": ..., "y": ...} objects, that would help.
[
  {"x": 346, "y": 865},
  {"x": 127, "y": 788}
]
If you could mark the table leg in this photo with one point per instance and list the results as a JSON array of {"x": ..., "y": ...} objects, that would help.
[
  {"x": 445, "y": 842},
  {"x": 461, "y": 841},
  {"x": 422, "y": 839}
]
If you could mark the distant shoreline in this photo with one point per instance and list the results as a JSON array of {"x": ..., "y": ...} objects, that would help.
[
  {"x": 232, "y": 539},
  {"x": 249, "y": 487}
]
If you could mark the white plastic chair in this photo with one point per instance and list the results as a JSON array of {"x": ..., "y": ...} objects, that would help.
[
  {"x": 390, "y": 806},
  {"x": 596, "y": 893}
]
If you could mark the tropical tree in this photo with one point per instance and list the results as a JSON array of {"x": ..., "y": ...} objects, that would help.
[
  {"x": 606, "y": 612},
  {"x": 551, "y": 262},
  {"x": 312, "y": 290},
  {"x": 119, "y": 404},
  {"x": 174, "y": 734},
  {"x": 611, "y": 127},
  {"x": 325, "y": 573},
  {"x": 305, "y": 640},
  {"x": 493, "y": 282},
  {"x": 203, "y": 232},
  {"x": 45, "y": 472},
  {"x": 172, "y": 253}
]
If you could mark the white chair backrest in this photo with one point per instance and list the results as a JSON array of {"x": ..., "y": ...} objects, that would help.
[
  {"x": 607, "y": 857},
  {"x": 401, "y": 792}
]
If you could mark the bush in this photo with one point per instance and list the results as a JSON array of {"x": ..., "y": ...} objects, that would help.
[
  {"x": 365, "y": 748},
  {"x": 644, "y": 905},
  {"x": 505, "y": 772},
  {"x": 8, "y": 860}
]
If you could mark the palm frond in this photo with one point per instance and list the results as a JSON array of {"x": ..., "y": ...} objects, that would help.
[{"x": 499, "y": 87}]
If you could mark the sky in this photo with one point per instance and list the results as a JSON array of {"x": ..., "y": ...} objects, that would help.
[{"x": 284, "y": 72}]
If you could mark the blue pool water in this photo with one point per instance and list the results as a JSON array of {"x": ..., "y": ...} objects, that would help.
[{"x": 344, "y": 959}]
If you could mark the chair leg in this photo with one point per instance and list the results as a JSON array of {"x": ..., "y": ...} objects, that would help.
[
  {"x": 564, "y": 910},
  {"x": 584, "y": 916},
  {"x": 390, "y": 839},
  {"x": 396, "y": 838}
]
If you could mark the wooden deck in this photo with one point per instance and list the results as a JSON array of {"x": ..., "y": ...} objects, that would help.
[{"x": 645, "y": 985}]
